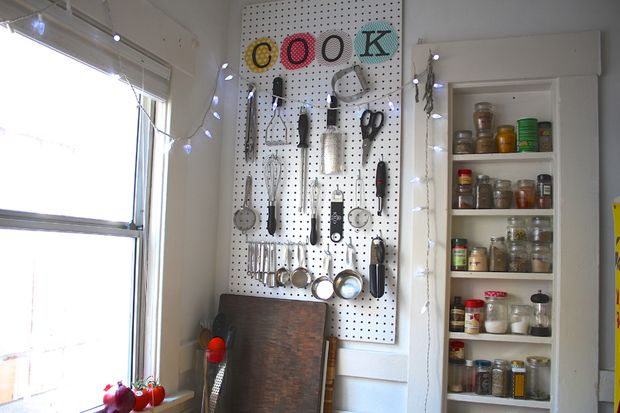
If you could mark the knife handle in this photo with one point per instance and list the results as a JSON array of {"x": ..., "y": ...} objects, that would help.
[
  {"x": 313, "y": 231},
  {"x": 377, "y": 280},
  {"x": 302, "y": 127},
  {"x": 271, "y": 219}
]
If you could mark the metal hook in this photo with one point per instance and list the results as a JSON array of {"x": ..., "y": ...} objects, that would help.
[{"x": 327, "y": 251}]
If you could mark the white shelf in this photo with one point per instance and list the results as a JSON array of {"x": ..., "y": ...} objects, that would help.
[
  {"x": 530, "y": 276},
  {"x": 503, "y": 338},
  {"x": 503, "y": 157},
  {"x": 501, "y": 212},
  {"x": 474, "y": 398}
]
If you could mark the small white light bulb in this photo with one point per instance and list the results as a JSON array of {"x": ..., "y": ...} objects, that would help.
[
  {"x": 116, "y": 37},
  {"x": 435, "y": 57},
  {"x": 38, "y": 25},
  {"x": 391, "y": 104},
  {"x": 436, "y": 116},
  {"x": 251, "y": 94},
  {"x": 425, "y": 307},
  {"x": 224, "y": 66},
  {"x": 329, "y": 99},
  {"x": 418, "y": 209},
  {"x": 216, "y": 99},
  {"x": 437, "y": 148},
  {"x": 438, "y": 85},
  {"x": 208, "y": 133},
  {"x": 216, "y": 115},
  {"x": 416, "y": 80},
  {"x": 421, "y": 273},
  {"x": 229, "y": 77},
  {"x": 187, "y": 147},
  {"x": 430, "y": 243},
  {"x": 418, "y": 180},
  {"x": 274, "y": 106}
]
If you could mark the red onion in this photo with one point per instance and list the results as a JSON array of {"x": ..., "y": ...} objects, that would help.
[{"x": 118, "y": 399}]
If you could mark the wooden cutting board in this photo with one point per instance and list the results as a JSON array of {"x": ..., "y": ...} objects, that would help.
[{"x": 276, "y": 361}]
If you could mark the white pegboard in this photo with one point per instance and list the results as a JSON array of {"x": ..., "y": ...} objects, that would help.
[{"x": 365, "y": 318}]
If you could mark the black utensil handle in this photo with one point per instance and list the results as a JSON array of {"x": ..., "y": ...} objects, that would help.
[
  {"x": 380, "y": 251},
  {"x": 314, "y": 236},
  {"x": 377, "y": 280},
  {"x": 380, "y": 179},
  {"x": 336, "y": 227},
  {"x": 278, "y": 91},
  {"x": 303, "y": 127},
  {"x": 271, "y": 219}
]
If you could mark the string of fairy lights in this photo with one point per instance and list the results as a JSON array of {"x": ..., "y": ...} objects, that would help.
[{"x": 210, "y": 113}]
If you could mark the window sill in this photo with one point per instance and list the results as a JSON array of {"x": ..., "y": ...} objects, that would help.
[{"x": 169, "y": 403}]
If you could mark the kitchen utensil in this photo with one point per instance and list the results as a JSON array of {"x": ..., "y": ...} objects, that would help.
[
  {"x": 336, "y": 215},
  {"x": 348, "y": 283},
  {"x": 371, "y": 123},
  {"x": 271, "y": 275},
  {"x": 245, "y": 218},
  {"x": 205, "y": 382},
  {"x": 322, "y": 287},
  {"x": 256, "y": 261},
  {"x": 250, "y": 254},
  {"x": 380, "y": 183},
  {"x": 331, "y": 143},
  {"x": 358, "y": 216},
  {"x": 303, "y": 129},
  {"x": 301, "y": 277},
  {"x": 251, "y": 125},
  {"x": 377, "y": 267},
  {"x": 272, "y": 170},
  {"x": 314, "y": 219},
  {"x": 266, "y": 264},
  {"x": 276, "y": 126},
  {"x": 283, "y": 275},
  {"x": 261, "y": 262}
]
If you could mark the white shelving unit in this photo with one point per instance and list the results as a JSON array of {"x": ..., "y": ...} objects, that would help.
[{"x": 472, "y": 398}]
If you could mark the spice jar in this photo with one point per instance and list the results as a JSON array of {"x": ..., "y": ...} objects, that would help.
[
  {"x": 518, "y": 379},
  {"x": 496, "y": 312},
  {"x": 455, "y": 376},
  {"x": 483, "y": 377},
  {"x": 469, "y": 376},
  {"x": 537, "y": 378},
  {"x": 500, "y": 378},
  {"x": 518, "y": 257},
  {"x": 464, "y": 197},
  {"x": 540, "y": 323},
  {"x": 502, "y": 194},
  {"x": 457, "y": 316},
  {"x": 457, "y": 350},
  {"x": 506, "y": 139},
  {"x": 483, "y": 198},
  {"x": 544, "y": 191},
  {"x": 541, "y": 257},
  {"x": 464, "y": 177},
  {"x": 525, "y": 193},
  {"x": 516, "y": 230},
  {"x": 545, "y": 137},
  {"x": 477, "y": 259},
  {"x": 498, "y": 255},
  {"x": 459, "y": 254},
  {"x": 473, "y": 316},
  {"x": 541, "y": 230},
  {"x": 462, "y": 143},
  {"x": 520, "y": 318},
  {"x": 483, "y": 116},
  {"x": 485, "y": 142}
]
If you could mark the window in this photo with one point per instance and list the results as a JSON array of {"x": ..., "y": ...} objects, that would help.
[{"x": 74, "y": 173}]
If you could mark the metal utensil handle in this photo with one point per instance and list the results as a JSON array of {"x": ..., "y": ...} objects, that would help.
[
  {"x": 327, "y": 265},
  {"x": 359, "y": 183},
  {"x": 287, "y": 257},
  {"x": 217, "y": 385},
  {"x": 302, "y": 256},
  {"x": 248, "y": 190}
]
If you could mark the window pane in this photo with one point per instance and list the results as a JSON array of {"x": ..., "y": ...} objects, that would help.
[
  {"x": 67, "y": 135},
  {"x": 65, "y": 316}
]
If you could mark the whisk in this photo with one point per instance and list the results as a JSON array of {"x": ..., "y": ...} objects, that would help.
[{"x": 272, "y": 170}]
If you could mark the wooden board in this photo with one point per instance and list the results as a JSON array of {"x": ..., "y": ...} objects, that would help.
[{"x": 276, "y": 361}]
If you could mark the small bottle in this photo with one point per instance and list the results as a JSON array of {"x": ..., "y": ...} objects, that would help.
[
  {"x": 525, "y": 195},
  {"x": 518, "y": 257},
  {"x": 541, "y": 257},
  {"x": 474, "y": 310},
  {"x": 498, "y": 255},
  {"x": 483, "y": 116},
  {"x": 500, "y": 378},
  {"x": 457, "y": 316},
  {"x": 464, "y": 197},
  {"x": 331, "y": 143},
  {"x": 541, "y": 230},
  {"x": 464, "y": 177},
  {"x": 463, "y": 143},
  {"x": 516, "y": 230},
  {"x": 506, "y": 139},
  {"x": 544, "y": 191},
  {"x": 469, "y": 376},
  {"x": 459, "y": 254},
  {"x": 520, "y": 318},
  {"x": 485, "y": 143},
  {"x": 545, "y": 137},
  {"x": 518, "y": 379},
  {"x": 455, "y": 375},
  {"x": 483, "y": 198},
  {"x": 502, "y": 194},
  {"x": 483, "y": 377},
  {"x": 457, "y": 350},
  {"x": 477, "y": 259}
]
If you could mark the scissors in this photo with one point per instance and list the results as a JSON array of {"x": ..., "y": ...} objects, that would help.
[{"x": 371, "y": 123}]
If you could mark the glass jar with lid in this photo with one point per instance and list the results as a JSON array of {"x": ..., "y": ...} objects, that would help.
[
  {"x": 485, "y": 142},
  {"x": 545, "y": 137},
  {"x": 496, "y": 312},
  {"x": 516, "y": 229},
  {"x": 483, "y": 377},
  {"x": 502, "y": 194},
  {"x": 477, "y": 259},
  {"x": 498, "y": 255},
  {"x": 537, "y": 378},
  {"x": 540, "y": 323},
  {"x": 518, "y": 257},
  {"x": 474, "y": 310},
  {"x": 520, "y": 318},
  {"x": 469, "y": 376},
  {"x": 541, "y": 230},
  {"x": 483, "y": 198},
  {"x": 456, "y": 369},
  {"x": 518, "y": 379},
  {"x": 525, "y": 194},
  {"x": 541, "y": 257},
  {"x": 463, "y": 142},
  {"x": 483, "y": 116},
  {"x": 464, "y": 198},
  {"x": 544, "y": 191},
  {"x": 506, "y": 139},
  {"x": 500, "y": 378}
]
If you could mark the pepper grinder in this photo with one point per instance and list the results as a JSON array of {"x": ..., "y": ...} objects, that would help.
[{"x": 540, "y": 325}]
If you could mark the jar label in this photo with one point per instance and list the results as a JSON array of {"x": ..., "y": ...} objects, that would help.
[
  {"x": 459, "y": 257},
  {"x": 472, "y": 323}
]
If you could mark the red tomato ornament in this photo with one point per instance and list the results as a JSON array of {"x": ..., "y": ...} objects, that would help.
[
  {"x": 216, "y": 350},
  {"x": 142, "y": 399},
  {"x": 157, "y": 393}
]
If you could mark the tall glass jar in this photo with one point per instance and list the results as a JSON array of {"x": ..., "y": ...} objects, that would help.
[
  {"x": 525, "y": 195},
  {"x": 485, "y": 142},
  {"x": 483, "y": 198},
  {"x": 483, "y": 116},
  {"x": 502, "y": 194},
  {"x": 518, "y": 257},
  {"x": 463, "y": 142},
  {"x": 541, "y": 257},
  {"x": 496, "y": 312},
  {"x": 483, "y": 377},
  {"x": 541, "y": 230},
  {"x": 516, "y": 231},
  {"x": 520, "y": 318},
  {"x": 506, "y": 139},
  {"x": 518, "y": 379},
  {"x": 477, "y": 259},
  {"x": 500, "y": 376},
  {"x": 498, "y": 255},
  {"x": 537, "y": 378},
  {"x": 455, "y": 375},
  {"x": 469, "y": 376}
]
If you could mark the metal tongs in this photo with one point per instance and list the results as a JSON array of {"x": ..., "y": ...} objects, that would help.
[
  {"x": 273, "y": 129},
  {"x": 314, "y": 219}
]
